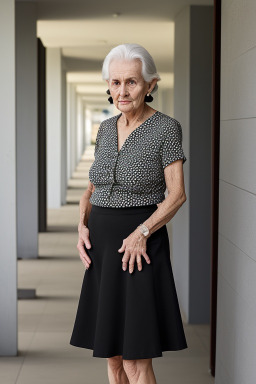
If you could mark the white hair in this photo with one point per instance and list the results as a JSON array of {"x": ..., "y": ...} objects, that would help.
[{"x": 132, "y": 52}]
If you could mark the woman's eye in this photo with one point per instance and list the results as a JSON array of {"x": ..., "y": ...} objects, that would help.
[
  {"x": 115, "y": 83},
  {"x": 132, "y": 82}
]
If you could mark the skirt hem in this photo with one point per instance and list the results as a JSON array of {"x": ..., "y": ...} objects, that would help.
[{"x": 135, "y": 356}]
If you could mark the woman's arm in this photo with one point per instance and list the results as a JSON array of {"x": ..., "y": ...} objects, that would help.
[
  {"x": 85, "y": 205},
  {"x": 134, "y": 246},
  {"x": 174, "y": 179},
  {"x": 83, "y": 237}
]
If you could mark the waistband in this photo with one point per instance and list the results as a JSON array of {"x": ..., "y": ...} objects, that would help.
[{"x": 123, "y": 210}]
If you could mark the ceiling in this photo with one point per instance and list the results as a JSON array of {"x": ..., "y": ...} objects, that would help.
[
  {"x": 87, "y": 30},
  {"x": 92, "y": 39},
  {"x": 143, "y": 9}
]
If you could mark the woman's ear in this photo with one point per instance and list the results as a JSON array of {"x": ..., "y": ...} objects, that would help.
[{"x": 152, "y": 85}]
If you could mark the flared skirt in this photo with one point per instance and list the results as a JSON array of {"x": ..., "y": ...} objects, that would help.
[{"x": 135, "y": 315}]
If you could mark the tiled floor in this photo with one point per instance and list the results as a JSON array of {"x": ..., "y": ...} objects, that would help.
[{"x": 45, "y": 324}]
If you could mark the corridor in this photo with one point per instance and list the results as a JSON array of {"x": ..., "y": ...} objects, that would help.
[{"x": 45, "y": 323}]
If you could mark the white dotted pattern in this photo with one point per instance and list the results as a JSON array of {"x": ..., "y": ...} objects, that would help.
[{"x": 134, "y": 176}]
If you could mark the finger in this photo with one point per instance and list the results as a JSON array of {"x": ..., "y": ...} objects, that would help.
[
  {"x": 131, "y": 263},
  {"x": 87, "y": 258},
  {"x": 145, "y": 255},
  {"x": 85, "y": 240},
  {"x": 88, "y": 243},
  {"x": 125, "y": 260},
  {"x": 122, "y": 249},
  {"x": 139, "y": 263},
  {"x": 84, "y": 262},
  {"x": 83, "y": 253}
]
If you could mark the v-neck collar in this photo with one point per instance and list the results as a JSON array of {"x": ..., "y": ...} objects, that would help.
[{"x": 116, "y": 131}]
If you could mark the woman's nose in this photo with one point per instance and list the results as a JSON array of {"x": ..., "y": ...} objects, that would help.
[{"x": 123, "y": 90}]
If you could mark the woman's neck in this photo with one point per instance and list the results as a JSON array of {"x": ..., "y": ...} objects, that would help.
[{"x": 132, "y": 118}]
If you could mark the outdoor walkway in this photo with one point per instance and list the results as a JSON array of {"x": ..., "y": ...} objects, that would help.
[{"x": 45, "y": 324}]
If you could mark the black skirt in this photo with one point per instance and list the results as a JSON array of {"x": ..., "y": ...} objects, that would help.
[{"x": 135, "y": 315}]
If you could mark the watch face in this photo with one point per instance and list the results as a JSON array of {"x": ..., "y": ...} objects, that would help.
[{"x": 144, "y": 230}]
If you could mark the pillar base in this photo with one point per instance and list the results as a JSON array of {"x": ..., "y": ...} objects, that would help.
[{"x": 26, "y": 294}]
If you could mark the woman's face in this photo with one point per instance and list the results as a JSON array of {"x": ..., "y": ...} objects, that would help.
[{"x": 127, "y": 85}]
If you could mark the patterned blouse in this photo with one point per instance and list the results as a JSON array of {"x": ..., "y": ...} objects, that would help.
[{"x": 134, "y": 175}]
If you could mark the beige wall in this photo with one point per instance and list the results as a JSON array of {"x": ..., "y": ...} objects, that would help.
[
  {"x": 236, "y": 322},
  {"x": 192, "y": 108}
]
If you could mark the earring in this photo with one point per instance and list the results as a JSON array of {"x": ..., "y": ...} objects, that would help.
[
  {"x": 148, "y": 98},
  {"x": 110, "y": 99}
]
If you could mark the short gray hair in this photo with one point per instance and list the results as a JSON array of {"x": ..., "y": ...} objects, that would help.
[{"x": 132, "y": 52}]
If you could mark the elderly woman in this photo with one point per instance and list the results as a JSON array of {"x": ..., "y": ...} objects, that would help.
[{"x": 128, "y": 310}]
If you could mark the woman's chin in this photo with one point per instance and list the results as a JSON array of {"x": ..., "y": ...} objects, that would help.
[{"x": 125, "y": 107}]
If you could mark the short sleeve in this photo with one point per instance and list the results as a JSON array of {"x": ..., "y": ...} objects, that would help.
[{"x": 171, "y": 148}]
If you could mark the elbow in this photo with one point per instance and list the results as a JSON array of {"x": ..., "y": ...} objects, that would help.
[
  {"x": 182, "y": 198},
  {"x": 90, "y": 187},
  {"x": 179, "y": 197}
]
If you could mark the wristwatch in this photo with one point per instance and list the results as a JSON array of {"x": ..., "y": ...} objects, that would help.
[{"x": 143, "y": 229}]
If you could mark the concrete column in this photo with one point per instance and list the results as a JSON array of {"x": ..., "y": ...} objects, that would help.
[
  {"x": 80, "y": 131},
  {"x": 8, "y": 219},
  {"x": 88, "y": 126},
  {"x": 63, "y": 133},
  {"x": 71, "y": 130},
  {"x": 69, "y": 91},
  {"x": 192, "y": 108},
  {"x": 84, "y": 125},
  {"x": 42, "y": 193},
  {"x": 53, "y": 119},
  {"x": 27, "y": 152}
]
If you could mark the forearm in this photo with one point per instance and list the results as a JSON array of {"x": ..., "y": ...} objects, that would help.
[
  {"x": 165, "y": 211},
  {"x": 85, "y": 206}
]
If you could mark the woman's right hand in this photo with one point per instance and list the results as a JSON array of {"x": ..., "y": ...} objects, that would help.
[{"x": 83, "y": 239}]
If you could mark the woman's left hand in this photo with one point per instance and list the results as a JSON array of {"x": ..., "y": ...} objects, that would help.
[{"x": 134, "y": 246}]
